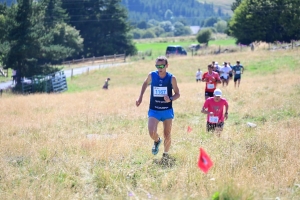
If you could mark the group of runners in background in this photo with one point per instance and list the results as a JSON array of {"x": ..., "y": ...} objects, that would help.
[
  {"x": 220, "y": 74},
  {"x": 215, "y": 106}
]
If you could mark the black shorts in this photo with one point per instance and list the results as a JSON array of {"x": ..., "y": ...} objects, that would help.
[
  {"x": 211, "y": 127},
  {"x": 209, "y": 94},
  {"x": 236, "y": 78},
  {"x": 198, "y": 80},
  {"x": 230, "y": 74}
]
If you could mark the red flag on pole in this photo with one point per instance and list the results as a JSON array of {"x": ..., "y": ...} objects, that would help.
[
  {"x": 204, "y": 162},
  {"x": 189, "y": 129}
]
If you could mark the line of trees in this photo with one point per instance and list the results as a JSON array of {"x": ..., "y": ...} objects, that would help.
[
  {"x": 267, "y": 21},
  {"x": 34, "y": 35},
  {"x": 192, "y": 12}
]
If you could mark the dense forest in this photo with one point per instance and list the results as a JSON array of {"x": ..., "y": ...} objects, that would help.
[
  {"x": 190, "y": 11},
  {"x": 8, "y": 2}
]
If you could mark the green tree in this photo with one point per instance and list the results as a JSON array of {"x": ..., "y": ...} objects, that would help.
[
  {"x": 157, "y": 30},
  {"x": 142, "y": 25},
  {"x": 136, "y": 33},
  {"x": 204, "y": 36},
  {"x": 167, "y": 26},
  {"x": 180, "y": 29},
  {"x": 235, "y": 4},
  {"x": 24, "y": 43},
  {"x": 103, "y": 25},
  {"x": 34, "y": 42},
  {"x": 221, "y": 26},
  {"x": 267, "y": 21},
  {"x": 148, "y": 34},
  {"x": 209, "y": 22},
  {"x": 60, "y": 40}
]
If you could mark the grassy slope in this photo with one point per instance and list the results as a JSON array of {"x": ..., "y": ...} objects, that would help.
[{"x": 45, "y": 152}]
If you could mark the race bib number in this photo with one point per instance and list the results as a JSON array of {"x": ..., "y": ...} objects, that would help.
[
  {"x": 238, "y": 72},
  {"x": 159, "y": 91},
  {"x": 210, "y": 86},
  {"x": 213, "y": 119}
]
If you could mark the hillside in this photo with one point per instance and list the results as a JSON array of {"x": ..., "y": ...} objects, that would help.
[
  {"x": 192, "y": 12},
  {"x": 225, "y": 5}
]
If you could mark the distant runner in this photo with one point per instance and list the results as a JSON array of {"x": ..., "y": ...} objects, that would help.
[
  {"x": 198, "y": 75},
  {"x": 211, "y": 78},
  {"x": 225, "y": 71},
  {"x": 237, "y": 71}
]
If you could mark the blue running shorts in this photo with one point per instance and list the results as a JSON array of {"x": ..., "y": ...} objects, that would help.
[{"x": 161, "y": 115}]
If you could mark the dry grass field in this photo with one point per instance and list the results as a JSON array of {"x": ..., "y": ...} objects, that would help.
[{"x": 91, "y": 143}]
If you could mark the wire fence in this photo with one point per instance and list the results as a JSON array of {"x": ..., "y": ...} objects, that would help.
[{"x": 100, "y": 59}]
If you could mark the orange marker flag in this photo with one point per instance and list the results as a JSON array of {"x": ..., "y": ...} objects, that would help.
[
  {"x": 204, "y": 162},
  {"x": 189, "y": 129}
]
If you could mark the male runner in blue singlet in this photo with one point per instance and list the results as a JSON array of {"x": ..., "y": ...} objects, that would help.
[{"x": 162, "y": 85}]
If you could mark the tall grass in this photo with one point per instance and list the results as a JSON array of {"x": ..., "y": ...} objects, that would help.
[{"x": 91, "y": 143}]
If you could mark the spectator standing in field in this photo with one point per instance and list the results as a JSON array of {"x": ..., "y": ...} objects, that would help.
[
  {"x": 198, "y": 75},
  {"x": 211, "y": 79},
  {"x": 237, "y": 71},
  {"x": 14, "y": 76},
  {"x": 214, "y": 109},
  {"x": 105, "y": 86},
  {"x": 225, "y": 71},
  {"x": 162, "y": 84}
]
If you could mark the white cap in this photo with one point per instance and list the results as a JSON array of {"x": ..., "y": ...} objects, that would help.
[
  {"x": 216, "y": 63},
  {"x": 217, "y": 92}
]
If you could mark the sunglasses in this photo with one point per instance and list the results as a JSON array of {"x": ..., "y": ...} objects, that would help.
[{"x": 160, "y": 66}]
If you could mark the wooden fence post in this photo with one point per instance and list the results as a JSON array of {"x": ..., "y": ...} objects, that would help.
[
  {"x": 72, "y": 73},
  {"x": 1, "y": 92}
]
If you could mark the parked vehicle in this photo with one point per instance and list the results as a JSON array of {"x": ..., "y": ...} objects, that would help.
[{"x": 175, "y": 50}]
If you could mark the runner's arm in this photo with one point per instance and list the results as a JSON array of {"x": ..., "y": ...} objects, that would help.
[
  {"x": 146, "y": 82},
  {"x": 175, "y": 89},
  {"x": 226, "y": 111}
]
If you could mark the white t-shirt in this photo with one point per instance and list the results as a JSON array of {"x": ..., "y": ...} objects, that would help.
[
  {"x": 199, "y": 75},
  {"x": 225, "y": 71}
]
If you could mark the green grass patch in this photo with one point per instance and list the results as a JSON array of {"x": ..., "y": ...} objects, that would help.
[
  {"x": 270, "y": 65},
  {"x": 159, "y": 47},
  {"x": 224, "y": 42}
]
